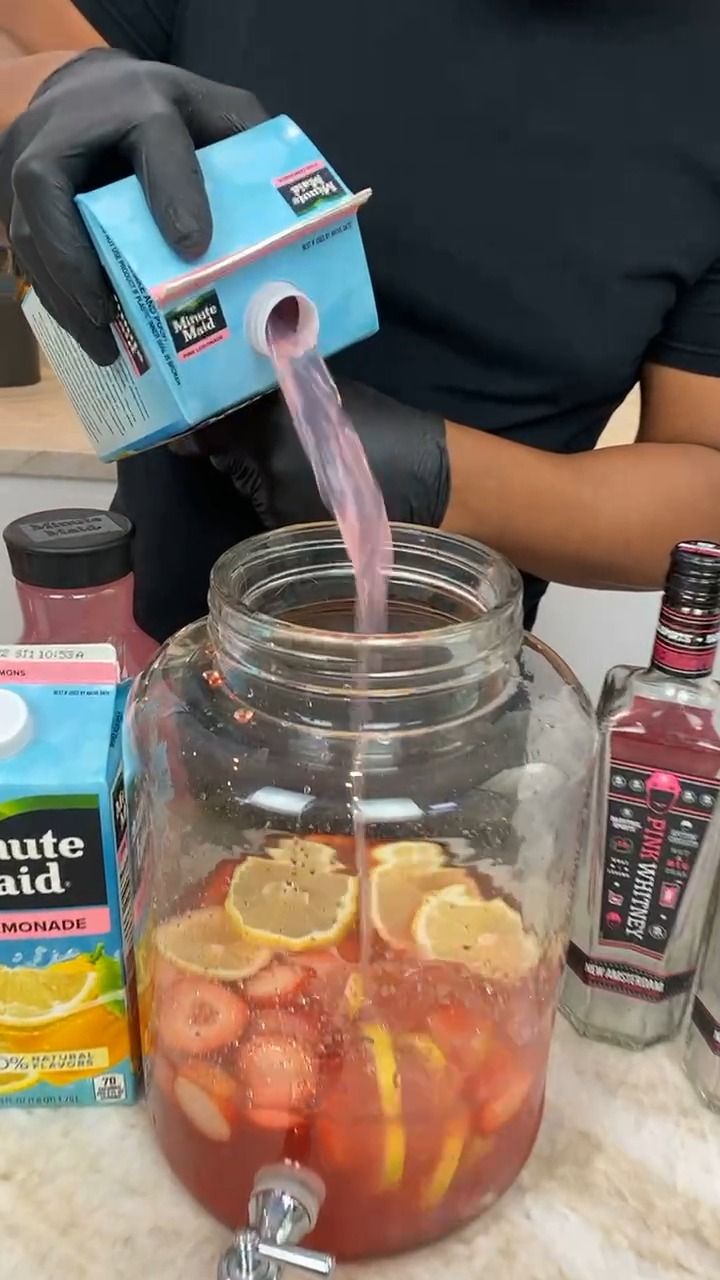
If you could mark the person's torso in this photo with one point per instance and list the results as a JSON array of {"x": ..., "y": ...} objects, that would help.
[{"x": 546, "y": 178}]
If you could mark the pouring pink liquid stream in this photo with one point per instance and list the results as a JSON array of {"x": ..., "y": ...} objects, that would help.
[
  {"x": 346, "y": 484},
  {"x": 352, "y": 495}
]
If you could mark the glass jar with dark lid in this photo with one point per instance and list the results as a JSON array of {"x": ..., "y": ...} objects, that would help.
[{"x": 74, "y": 581}]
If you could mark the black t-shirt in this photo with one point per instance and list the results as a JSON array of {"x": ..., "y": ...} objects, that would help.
[{"x": 546, "y": 213}]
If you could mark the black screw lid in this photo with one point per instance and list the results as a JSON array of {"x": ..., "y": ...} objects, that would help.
[
  {"x": 71, "y": 548},
  {"x": 694, "y": 575}
]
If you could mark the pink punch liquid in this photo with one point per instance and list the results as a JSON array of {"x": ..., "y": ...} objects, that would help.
[
  {"x": 347, "y": 485},
  {"x": 98, "y": 615},
  {"x": 352, "y": 495}
]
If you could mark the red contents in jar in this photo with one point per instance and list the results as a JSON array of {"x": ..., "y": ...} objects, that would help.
[{"x": 413, "y": 1088}]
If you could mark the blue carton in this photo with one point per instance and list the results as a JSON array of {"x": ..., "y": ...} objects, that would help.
[
  {"x": 68, "y": 1027},
  {"x": 191, "y": 337}
]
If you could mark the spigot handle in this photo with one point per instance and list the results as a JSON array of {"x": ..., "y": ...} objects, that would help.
[
  {"x": 317, "y": 1264},
  {"x": 284, "y": 1208}
]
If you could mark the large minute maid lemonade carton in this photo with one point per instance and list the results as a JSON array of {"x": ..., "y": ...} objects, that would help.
[
  {"x": 191, "y": 338},
  {"x": 67, "y": 1003}
]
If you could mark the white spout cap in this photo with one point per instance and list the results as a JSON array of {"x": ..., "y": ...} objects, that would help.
[
  {"x": 263, "y": 303},
  {"x": 15, "y": 723}
]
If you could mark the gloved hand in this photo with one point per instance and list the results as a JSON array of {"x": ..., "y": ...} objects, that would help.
[
  {"x": 406, "y": 448},
  {"x": 94, "y": 119}
]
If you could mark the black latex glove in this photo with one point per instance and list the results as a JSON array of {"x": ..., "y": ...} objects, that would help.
[
  {"x": 96, "y": 118},
  {"x": 259, "y": 449}
]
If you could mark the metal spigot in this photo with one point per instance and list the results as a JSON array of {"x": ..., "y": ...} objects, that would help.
[{"x": 284, "y": 1207}]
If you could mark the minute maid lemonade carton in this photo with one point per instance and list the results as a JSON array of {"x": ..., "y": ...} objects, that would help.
[
  {"x": 192, "y": 338},
  {"x": 66, "y": 966}
]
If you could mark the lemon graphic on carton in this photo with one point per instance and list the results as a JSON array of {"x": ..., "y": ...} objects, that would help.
[
  {"x": 31, "y": 998},
  {"x": 71, "y": 1006}
]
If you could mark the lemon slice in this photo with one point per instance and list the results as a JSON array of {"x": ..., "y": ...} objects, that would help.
[
  {"x": 17, "y": 1081},
  {"x": 354, "y": 995},
  {"x": 422, "y": 851},
  {"x": 282, "y": 905},
  {"x": 311, "y": 855},
  {"x": 144, "y": 961},
  {"x": 398, "y": 890},
  {"x": 386, "y": 1069},
  {"x": 206, "y": 942},
  {"x": 36, "y": 997},
  {"x": 443, "y": 1175},
  {"x": 389, "y": 1088},
  {"x": 430, "y": 1052},
  {"x": 486, "y": 935}
]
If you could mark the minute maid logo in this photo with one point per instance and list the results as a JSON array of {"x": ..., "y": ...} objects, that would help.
[
  {"x": 48, "y": 850},
  {"x": 197, "y": 324},
  {"x": 51, "y": 848},
  {"x": 309, "y": 188}
]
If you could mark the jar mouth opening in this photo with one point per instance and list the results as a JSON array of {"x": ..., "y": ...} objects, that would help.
[{"x": 443, "y": 586}]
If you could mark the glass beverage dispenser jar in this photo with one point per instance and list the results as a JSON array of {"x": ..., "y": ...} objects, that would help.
[{"x": 350, "y": 945}]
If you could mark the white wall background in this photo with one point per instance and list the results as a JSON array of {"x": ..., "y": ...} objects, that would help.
[{"x": 595, "y": 630}]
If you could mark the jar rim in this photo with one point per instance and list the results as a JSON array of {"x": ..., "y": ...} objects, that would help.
[
  {"x": 232, "y": 591},
  {"x": 305, "y": 568}
]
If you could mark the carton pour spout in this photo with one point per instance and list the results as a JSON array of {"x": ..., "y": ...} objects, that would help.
[{"x": 298, "y": 317}]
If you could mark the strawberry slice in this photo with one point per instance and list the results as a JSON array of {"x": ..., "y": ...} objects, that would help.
[
  {"x": 207, "y": 1096},
  {"x": 464, "y": 1036},
  {"x": 221, "y": 1086},
  {"x": 318, "y": 962},
  {"x": 502, "y": 1088},
  {"x": 504, "y": 1106},
  {"x": 278, "y": 1076},
  {"x": 349, "y": 949},
  {"x": 164, "y": 974},
  {"x": 281, "y": 1121},
  {"x": 201, "y": 1017},
  {"x": 278, "y": 984},
  {"x": 323, "y": 1039},
  {"x": 344, "y": 846},
  {"x": 216, "y": 887},
  {"x": 328, "y": 976},
  {"x": 293, "y": 1024},
  {"x": 359, "y": 1148}
]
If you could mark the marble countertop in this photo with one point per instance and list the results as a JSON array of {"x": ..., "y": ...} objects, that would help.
[
  {"x": 41, "y": 436},
  {"x": 624, "y": 1184}
]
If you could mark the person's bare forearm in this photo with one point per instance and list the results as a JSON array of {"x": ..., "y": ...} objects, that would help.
[
  {"x": 36, "y": 37},
  {"x": 20, "y": 77},
  {"x": 42, "y": 26},
  {"x": 603, "y": 519},
  {"x": 9, "y": 48}
]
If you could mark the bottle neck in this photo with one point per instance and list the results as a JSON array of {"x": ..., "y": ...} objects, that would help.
[{"x": 686, "y": 639}]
